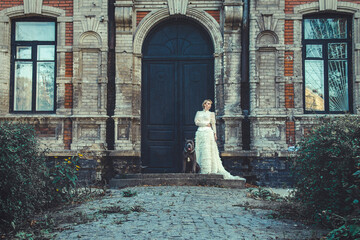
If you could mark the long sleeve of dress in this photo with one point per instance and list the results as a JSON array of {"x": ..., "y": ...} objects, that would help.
[
  {"x": 213, "y": 122},
  {"x": 200, "y": 121}
]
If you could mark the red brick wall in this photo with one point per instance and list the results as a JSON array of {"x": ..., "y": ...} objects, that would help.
[
  {"x": 140, "y": 15},
  {"x": 290, "y": 4},
  {"x": 215, "y": 14},
  {"x": 289, "y": 63},
  {"x": 10, "y": 3},
  {"x": 289, "y": 95},
  {"x": 45, "y": 130},
  {"x": 68, "y": 64},
  {"x": 66, "y": 5},
  {"x": 69, "y": 34},
  {"x": 290, "y": 133},
  {"x": 289, "y": 32},
  {"x": 68, "y": 95}
]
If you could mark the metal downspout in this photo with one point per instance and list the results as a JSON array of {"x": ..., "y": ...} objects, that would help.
[
  {"x": 245, "y": 88},
  {"x": 110, "y": 125}
]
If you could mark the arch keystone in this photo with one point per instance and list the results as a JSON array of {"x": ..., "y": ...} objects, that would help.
[{"x": 177, "y": 6}]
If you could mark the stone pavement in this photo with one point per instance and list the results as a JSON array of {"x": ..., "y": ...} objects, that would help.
[{"x": 183, "y": 212}]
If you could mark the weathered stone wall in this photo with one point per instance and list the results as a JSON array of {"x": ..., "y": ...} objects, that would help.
[
  {"x": 261, "y": 171},
  {"x": 276, "y": 78},
  {"x": 81, "y": 78},
  {"x": 276, "y": 115}
]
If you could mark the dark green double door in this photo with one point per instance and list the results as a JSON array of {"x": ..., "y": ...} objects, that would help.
[{"x": 177, "y": 77}]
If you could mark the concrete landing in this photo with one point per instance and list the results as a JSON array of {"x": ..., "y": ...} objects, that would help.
[{"x": 173, "y": 179}]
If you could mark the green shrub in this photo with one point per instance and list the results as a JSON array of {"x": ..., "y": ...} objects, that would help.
[
  {"x": 63, "y": 178},
  {"x": 129, "y": 193},
  {"x": 26, "y": 184},
  {"x": 326, "y": 168},
  {"x": 22, "y": 174}
]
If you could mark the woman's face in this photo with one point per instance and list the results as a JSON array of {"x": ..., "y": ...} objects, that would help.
[{"x": 207, "y": 106}]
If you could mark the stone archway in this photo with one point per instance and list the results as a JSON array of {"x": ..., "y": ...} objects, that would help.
[{"x": 177, "y": 74}]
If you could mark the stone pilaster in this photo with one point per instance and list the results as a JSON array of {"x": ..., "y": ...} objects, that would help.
[
  {"x": 128, "y": 89},
  {"x": 232, "y": 77}
]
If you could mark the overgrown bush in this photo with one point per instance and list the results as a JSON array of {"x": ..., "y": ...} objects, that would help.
[
  {"x": 326, "y": 169},
  {"x": 63, "y": 178},
  {"x": 22, "y": 173},
  {"x": 26, "y": 184}
]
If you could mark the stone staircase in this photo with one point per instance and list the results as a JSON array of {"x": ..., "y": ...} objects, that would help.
[{"x": 173, "y": 179}]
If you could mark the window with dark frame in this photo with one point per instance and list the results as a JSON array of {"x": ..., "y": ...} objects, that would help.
[
  {"x": 33, "y": 66},
  {"x": 327, "y": 64}
]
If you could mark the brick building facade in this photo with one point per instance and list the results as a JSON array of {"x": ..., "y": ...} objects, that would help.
[{"x": 95, "y": 79}]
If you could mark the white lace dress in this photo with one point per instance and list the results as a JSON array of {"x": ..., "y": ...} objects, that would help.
[{"x": 207, "y": 152}]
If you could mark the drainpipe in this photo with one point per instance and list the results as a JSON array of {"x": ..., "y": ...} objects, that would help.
[
  {"x": 110, "y": 124},
  {"x": 245, "y": 88}
]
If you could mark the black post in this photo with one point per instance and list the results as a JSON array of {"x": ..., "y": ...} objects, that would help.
[
  {"x": 245, "y": 88},
  {"x": 111, "y": 93}
]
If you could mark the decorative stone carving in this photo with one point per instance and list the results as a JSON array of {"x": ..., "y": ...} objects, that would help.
[
  {"x": 88, "y": 131},
  {"x": 233, "y": 10},
  {"x": 328, "y": 5},
  {"x": 232, "y": 134},
  {"x": 339, "y": 6},
  {"x": 33, "y": 6},
  {"x": 124, "y": 126},
  {"x": 157, "y": 16},
  {"x": 123, "y": 15},
  {"x": 177, "y": 6},
  {"x": 90, "y": 39},
  {"x": 90, "y": 23},
  {"x": 267, "y": 37},
  {"x": 266, "y": 22}
]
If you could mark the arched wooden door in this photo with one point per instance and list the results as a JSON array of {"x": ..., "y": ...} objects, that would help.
[{"x": 177, "y": 75}]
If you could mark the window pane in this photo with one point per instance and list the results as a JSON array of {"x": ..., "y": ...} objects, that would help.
[
  {"x": 23, "y": 52},
  {"x": 45, "y": 86},
  {"x": 330, "y": 28},
  {"x": 338, "y": 86},
  {"x": 337, "y": 50},
  {"x": 314, "y": 85},
  {"x": 23, "y": 86},
  {"x": 46, "y": 52},
  {"x": 313, "y": 51},
  {"x": 35, "y": 31}
]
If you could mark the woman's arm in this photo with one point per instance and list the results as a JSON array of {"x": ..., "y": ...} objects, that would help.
[
  {"x": 198, "y": 121},
  {"x": 213, "y": 123}
]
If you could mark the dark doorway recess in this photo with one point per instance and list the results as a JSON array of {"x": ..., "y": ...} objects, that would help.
[{"x": 177, "y": 75}]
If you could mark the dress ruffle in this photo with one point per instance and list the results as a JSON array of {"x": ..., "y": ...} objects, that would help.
[{"x": 207, "y": 154}]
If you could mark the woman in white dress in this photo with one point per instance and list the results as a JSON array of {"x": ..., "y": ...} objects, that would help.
[{"x": 207, "y": 153}]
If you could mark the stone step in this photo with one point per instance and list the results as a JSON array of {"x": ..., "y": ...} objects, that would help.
[
  {"x": 168, "y": 175},
  {"x": 174, "y": 179}
]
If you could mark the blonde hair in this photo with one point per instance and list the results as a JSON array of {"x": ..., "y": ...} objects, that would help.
[{"x": 205, "y": 101}]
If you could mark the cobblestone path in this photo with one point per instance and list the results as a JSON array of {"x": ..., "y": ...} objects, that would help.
[{"x": 173, "y": 212}]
